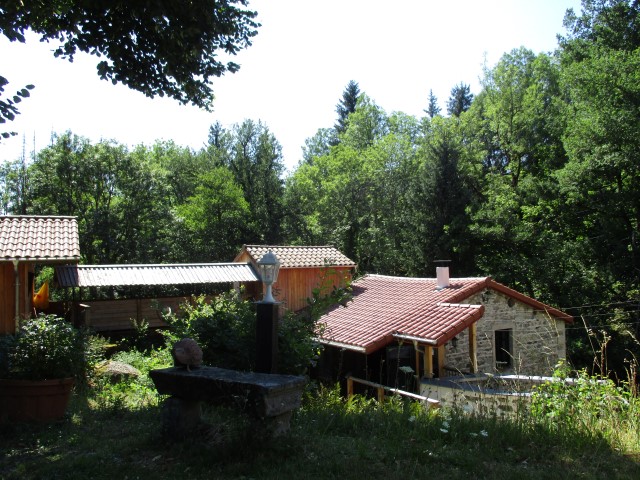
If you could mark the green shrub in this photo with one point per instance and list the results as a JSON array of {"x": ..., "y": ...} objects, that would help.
[
  {"x": 591, "y": 405},
  {"x": 225, "y": 329},
  {"x": 45, "y": 347}
]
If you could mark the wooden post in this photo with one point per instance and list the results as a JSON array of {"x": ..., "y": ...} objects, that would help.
[
  {"x": 441, "y": 361},
  {"x": 415, "y": 346},
  {"x": 381, "y": 394},
  {"x": 473, "y": 347},
  {"x": 349, "y": 387},
  {"x": 428, "y": 361},
  {"x": 266, "y": 337}
]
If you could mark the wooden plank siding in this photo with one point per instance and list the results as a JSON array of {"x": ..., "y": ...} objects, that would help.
[
  {"x": 8, "y": 295},
  {"x": 295, "y": 285},
  {"x": 7, "y": 298},
  {"x": 113, "y": 315}
]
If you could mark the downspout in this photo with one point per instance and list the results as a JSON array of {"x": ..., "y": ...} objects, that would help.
[{"x": 16, "y": 288}]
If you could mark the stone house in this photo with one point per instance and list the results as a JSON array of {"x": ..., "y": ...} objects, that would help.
[{"x": 398, "y": 330}]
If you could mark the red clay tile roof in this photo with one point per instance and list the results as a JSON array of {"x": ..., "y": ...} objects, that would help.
[
  {"x": 45, "y": 239},
  {"x": 301, "y": 257},
  {"x": 387, "y": 308}
]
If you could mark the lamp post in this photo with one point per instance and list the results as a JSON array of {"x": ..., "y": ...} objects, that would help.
[{"x": 267, "y": 316}]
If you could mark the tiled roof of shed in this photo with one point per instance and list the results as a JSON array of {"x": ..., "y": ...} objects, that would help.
[
  {"x": 41, "y": 238},
  {"x": 387, "y": 308},
  {"x": 302, "y": 256},
  {"x": 161, "y": 274}
]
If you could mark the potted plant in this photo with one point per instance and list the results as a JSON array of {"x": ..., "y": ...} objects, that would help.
[{"x": 38, "y": 367}]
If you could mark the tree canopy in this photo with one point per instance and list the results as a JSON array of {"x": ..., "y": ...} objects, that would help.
[
  {"x": 532, "y": 181},
  {"x": 167, "y": 48}
]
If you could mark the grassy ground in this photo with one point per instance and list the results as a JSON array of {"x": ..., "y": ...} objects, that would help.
[
  {"x": 114, "y": 431},
  {"x": 329, "y": 439}
]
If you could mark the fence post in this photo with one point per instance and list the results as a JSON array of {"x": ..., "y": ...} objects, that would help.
[
  {"x": 349, "y": 387},
  {"x": 381, "y": 394}
]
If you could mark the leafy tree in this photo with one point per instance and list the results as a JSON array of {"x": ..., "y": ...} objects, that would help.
[
  {"x": 215, "y": 218},
  {"x": 432, "y": 108},
  {"x": 319, "y": 144},
  {"x": 520, "y": 106},
  {"x": 158, "y": 48},
  {"x": 122, "y": 203},
  {"x": 367, "y": 124},
  {"x": 602, "y": 24},
  {"x": 254, "y": 157},
  {"x": 13, "y": 187},
  {"x": 460, "y": 100}
]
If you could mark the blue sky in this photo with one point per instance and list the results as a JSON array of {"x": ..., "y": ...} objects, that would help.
[{"x": 294, "y": 74}]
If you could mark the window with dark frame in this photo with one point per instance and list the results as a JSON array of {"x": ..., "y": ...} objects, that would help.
[{"x": 504, "y": 348}]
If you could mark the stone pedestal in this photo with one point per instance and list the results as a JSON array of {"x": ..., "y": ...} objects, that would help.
[{"x": 269, "y": 399}]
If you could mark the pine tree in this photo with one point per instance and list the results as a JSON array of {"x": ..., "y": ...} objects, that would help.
[
  {"x": 432, "y": 109},
  {"x": 347, "y": 105},
  {"x": 460, "y": 100}
]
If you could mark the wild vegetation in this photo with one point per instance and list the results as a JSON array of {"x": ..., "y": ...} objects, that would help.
[
  {"x": 114, "y": 429},
  {"x": 532, "y": 180}
]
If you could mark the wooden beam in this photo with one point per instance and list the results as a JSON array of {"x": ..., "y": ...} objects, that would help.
[
  {"x": 473, "y": 348},
  {"x": 441, "y": 361},
  {"x": 428, "y": 361}
]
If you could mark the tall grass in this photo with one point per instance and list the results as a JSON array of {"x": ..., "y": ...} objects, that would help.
[{"x": 114, "y": 430}]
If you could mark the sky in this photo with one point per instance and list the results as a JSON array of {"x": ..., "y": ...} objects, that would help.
[{"x": 293, "y": 75}]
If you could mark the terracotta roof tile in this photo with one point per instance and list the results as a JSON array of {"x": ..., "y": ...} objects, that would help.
[
  {"x": 384, "y": 308},
  {"x": 387, "y": 308},
  {"x": 39, "y": 238},
  {"x": 302, "y": 256}
]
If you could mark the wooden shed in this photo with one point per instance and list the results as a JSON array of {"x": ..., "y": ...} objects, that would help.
[
  {"x": 25, "y": 241},
  {"x": 302, "y": 269},
  {"x": 117, "y": 314}
]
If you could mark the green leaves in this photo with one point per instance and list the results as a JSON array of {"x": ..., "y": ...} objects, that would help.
[
  {"x": 8, "y": 109},
  {"x": 45, "y": 348}
]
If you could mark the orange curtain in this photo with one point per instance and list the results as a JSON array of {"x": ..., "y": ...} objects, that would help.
[{"x": 41, "y": 299}]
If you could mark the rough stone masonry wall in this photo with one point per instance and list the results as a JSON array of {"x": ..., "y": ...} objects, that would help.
[{"x": 538, "y": 340}]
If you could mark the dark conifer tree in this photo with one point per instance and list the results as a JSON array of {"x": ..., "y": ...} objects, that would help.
[
  {"x": 347, "y": 105},
  {"x": 432, "y": 108},
  {"x": 460, "y": 100}
]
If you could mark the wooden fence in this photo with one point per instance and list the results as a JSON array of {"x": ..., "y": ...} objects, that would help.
[
  {"x": 114, "y": 315},
  {"x": 381, "y": 389}
]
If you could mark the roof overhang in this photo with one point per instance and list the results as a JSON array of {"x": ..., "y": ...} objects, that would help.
[{"x": 69, "y": 276}]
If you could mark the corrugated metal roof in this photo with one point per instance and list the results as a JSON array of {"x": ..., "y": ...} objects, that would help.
[
  {"x": 301, "y": 256},
  {"x": 39, "y": 238},
  {"x": 161, "y": 274}
]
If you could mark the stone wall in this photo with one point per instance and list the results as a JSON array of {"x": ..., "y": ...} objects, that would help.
[{"x": 537, "y": 340}]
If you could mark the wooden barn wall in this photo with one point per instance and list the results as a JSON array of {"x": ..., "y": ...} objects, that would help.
[{"x": 295, "y": 285}]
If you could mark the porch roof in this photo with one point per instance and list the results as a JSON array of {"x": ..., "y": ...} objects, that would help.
[
  {"x": 158, "y": 274},
  {"x": 412, "y": 309}
]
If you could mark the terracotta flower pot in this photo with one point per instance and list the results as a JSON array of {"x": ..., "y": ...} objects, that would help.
[{"x": 34, "y": 400}]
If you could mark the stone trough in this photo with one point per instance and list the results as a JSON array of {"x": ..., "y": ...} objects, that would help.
[{"x": 269, "y": 399}]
